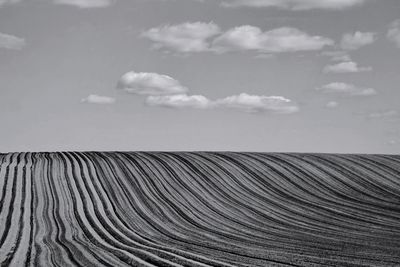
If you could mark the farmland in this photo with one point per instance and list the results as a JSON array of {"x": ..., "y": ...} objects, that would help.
[{"x": 199, "y": 209}]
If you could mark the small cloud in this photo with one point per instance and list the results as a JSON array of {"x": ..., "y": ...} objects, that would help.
[
  {"x": 384, "y": 114},
  {"x": 393, "y": 33},
  {"x": 4, "y": 2},
  {"x": 337, "y": 55},
  {"x": 147, "y": 83},
  {"x": 185, "y": 37},
  {"x": 294, "y": 4},
  {"x": 274, "y": 41},
  {"x": 346, "y": 67},
  {"x": 332, "y": 104},
  {"x": 347, "y": 89},
  {"x": 179, "y": 101},
  {"x": 86, "y": 3},
  {"x": 354, "y": 41},
  {"x": 98, "y": 99},
  {"x": 11, "y": 42},
  {"x": 255, "y": 103}
]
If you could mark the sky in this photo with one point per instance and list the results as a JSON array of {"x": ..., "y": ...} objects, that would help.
[{"x": 182, "y": 75}]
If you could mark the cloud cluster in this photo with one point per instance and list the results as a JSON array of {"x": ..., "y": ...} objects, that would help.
[
  {"x": 165, "y": 91},
  {"x": 393, "y": 33},
  {"x": 8, "y": 41},
  {"x": 98, "y": 99},
  {"x": 345, "y": 67},
  {"x": 196, "y": 37},
  {"x": 346, "y": 89},
  {"x": 354, "y": 41},
  {"x": 294, "y": 4},
  {"x": 148, "y": 83}
]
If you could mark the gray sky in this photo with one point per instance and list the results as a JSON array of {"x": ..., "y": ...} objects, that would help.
[{"x": 258, "y": 75}]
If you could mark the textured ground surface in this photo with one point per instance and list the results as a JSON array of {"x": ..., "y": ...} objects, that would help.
[{"x": 199, "y": 209}]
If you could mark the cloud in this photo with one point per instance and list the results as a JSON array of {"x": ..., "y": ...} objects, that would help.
[
  {"x": 384, "y": 114},
  {"x": 274, "y": 41},
  {"x": 332, "y": 104},
  {"x": 393, "y": 33},
  {"x": 337, "y": 55},
  {"x": 179, "y": 101},
  {"x": 4, "y": 2},
  {"x": 11, "y": 42},
  {"x": 294, "y": 4},
  {"x": 345, "y": 67},
  {"x": 147, "y": 83},
  {"x": 243, "y": 102},
  {"x": 86, "y": 3},
  {"x": 353, "y": 41},
  {"x": 98, "y": 99},
  {"x": 255, "y": 103},
  {"x": 347, "y": 89},
  {"x": 185, "y": 37},
  {"x": 202, "y": 37}
]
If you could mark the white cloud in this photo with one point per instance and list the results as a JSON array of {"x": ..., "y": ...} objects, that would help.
[
  {"x": 346, "y": 67},
  {"x": 294, "y": 4},
  {"x": 86, "y": 3},
  {"x": 393, "y": 33},
  {"x": 347, "y": 89},
  {"x": 98, "y": 99},
  {"x": 147, "y": 83},
  {"x": 332, "y": 104},
  {"x": 274, "y": 41},
  {"x": 353, "y": 41},
  {"x": 11, "y": 42},
  {"x": 185, "y": 37},
  {"x": 242, "y": 102},
  {"x": 180, "y": 101},
  {"x": 255, "y": 103}
]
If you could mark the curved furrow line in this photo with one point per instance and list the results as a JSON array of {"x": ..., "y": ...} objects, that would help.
[
  {"x": 116, "y": 229},
  {"x": 148, "y": 221},
  {"x": 170, "y": 226},
  {"x": 134, "y": 238},
  {"x": 88, "y": 219}
]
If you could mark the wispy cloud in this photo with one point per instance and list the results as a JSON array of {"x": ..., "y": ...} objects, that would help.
[
  {"x": 354, "y": 41},
  {"x": 201, "y": 37},
  {"x": 4, "y": 2},
  {"x": 337, "y": 55},
  {"x": 332, "y": 104},
  {"x": 147, "y": 83},
  {"x": 86, "y": 3},
  {"x": 345, "y": 67},
  {"x": 98, "y": 99},
  {"x": 185, "y": 37},
  {"x": 8, "y": 41},
  {"x": 393, "y": 33},
  {"x": 382, "y": 114},
  {"x": 256, "y": 103},
  {"x": 294, "y": 4},
  {"x": 347, "y": 89}
]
